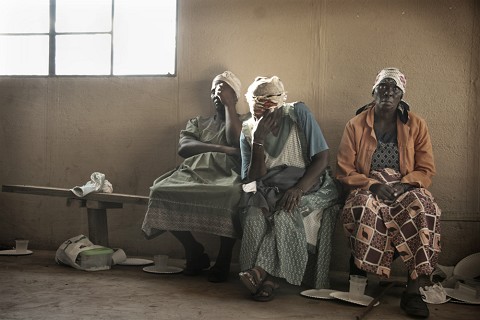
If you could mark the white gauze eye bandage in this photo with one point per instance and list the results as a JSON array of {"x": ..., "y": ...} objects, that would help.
[
  {"x": 278, "y": 99},
  {"x": 266, "y": 88}
]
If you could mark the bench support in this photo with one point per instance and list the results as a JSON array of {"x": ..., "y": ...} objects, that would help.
[{"x": 97, "y": 226}]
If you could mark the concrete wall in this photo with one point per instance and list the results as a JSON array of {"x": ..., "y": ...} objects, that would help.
[{"x": 57, "y": 131}]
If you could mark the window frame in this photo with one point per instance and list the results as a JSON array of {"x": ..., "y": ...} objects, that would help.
[{"x": 52, "y": 47}]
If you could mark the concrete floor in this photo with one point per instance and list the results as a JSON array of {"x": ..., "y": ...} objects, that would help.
[{"x": 35, "y": 287}]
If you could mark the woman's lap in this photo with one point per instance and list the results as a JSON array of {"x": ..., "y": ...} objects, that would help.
[
  {"x": 278, "y": 244},
  {"x": 411, "y": 224}
]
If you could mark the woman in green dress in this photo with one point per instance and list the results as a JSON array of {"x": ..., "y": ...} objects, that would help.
[{"x": 201, "y": 195}]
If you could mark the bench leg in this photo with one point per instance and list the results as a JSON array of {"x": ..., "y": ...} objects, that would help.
[{"x": 97, "y": 226}]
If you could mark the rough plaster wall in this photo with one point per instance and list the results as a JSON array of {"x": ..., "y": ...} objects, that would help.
[{"x": 57, "y": 131}]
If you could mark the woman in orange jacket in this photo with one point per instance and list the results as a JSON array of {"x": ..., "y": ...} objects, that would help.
[{"x": 385, "y": 162}]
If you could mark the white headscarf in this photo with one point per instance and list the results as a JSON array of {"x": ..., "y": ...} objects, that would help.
[
  {"x": 392, "y": 73},
  {"x": 231, "y": 79}
]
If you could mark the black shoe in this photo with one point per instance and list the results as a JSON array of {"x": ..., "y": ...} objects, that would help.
[
  {"x": 218, "y": 274},
  {"x": 195, "y": 266},
  {"x": 413, "y": 305}
]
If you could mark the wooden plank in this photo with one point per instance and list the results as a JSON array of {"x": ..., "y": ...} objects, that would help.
[
  {"x": 67, "y": 193},
  {"x": 93, "y": 204}
]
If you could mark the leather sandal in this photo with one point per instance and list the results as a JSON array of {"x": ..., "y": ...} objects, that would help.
[
  {"x": 253, "y": 279},
  {"x": 266, "y": 292},
  {"x": 195, "y": 266},
  {"x": 413, "y": 305}
]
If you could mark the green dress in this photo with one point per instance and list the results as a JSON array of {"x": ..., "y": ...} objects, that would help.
[{"x": 201, "y": 195}]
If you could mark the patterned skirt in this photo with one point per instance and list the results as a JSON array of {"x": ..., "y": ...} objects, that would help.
[
  {"x": 409, "y": 225},
  {"x": 279, "y": 245}
]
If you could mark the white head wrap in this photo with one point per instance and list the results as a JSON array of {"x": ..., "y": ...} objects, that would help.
[
  {"x": 392, "y": 73},
  {"x": 263, "y": 87},
  {"x": 231, "y": 79}
]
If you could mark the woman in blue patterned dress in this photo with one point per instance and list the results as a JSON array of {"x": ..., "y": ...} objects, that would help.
[{"x": 288, "y": 211}]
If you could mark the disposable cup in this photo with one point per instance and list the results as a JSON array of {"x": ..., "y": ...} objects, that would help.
[
  {"x": 21, "y": 246},
  {"x": 161, "y": 261},
  {"x": 357, "y": 286},
  {"x": 357, "y": 290}
]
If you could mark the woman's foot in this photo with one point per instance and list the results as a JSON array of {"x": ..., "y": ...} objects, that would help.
[
  {"x": 197, "y": 259},
  {"x": 218, "y": 273},
  {"x": 196, "y": 265},
  {"x": 266, "y": 291},
  {"x": 413, "y": 305},
  {"x": 253, "y": 279},
  {"x": 411, "y": 301}
]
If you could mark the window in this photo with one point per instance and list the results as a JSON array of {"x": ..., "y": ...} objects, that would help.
[{"x": 87, "y": 37}]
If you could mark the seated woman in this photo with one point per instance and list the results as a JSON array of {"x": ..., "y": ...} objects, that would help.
[
  {"x": 385, "y": 162},
  {"x": 202, "y": 193},
  {"x": 289, "y": 208}
]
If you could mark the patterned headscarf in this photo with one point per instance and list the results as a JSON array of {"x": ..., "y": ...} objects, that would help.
[
  {"x": 231, "y": 79},
  {"x": 401, "y": 82},
  {"x": 392, "y": 73},
  {"x": 263, "y": 87}
]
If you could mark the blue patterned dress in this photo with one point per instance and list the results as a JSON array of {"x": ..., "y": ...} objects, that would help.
[{"x": 295, "y": 246}]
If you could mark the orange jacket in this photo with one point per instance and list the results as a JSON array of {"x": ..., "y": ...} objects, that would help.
[{"x": 358, "y": 143}]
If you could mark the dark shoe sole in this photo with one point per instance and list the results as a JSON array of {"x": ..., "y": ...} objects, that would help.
[
  {"x": 217, "y": 275},
  {"x": 195, "y": 267},
  {"x": 413, "y": 305}
]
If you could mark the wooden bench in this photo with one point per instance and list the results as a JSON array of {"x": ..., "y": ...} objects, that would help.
[{"x": 96, "y": 204}]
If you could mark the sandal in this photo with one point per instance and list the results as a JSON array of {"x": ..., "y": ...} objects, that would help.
[
  {"x": 195, "y": 266},
  {"x": 266, "y": 292},
  {"x": 253, "y": 278},
  {"x": 413, "y": 305},
  {"x": 218, "y": 274}
]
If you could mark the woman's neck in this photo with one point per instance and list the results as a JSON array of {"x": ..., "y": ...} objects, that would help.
[{"x": 385, "y": 117}]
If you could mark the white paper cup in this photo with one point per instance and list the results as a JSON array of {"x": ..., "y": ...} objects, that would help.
[
  {"x": 21, "y": 246},
  {"x": 357, "y": 286},
  {"x": 161, "y": 261}
]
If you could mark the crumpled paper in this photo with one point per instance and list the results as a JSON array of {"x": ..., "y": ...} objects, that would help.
[
  {"x": 118, "y": 256},
  {"x": 97, "y": 183},
  {"x": 250, "y": 187},
  {"x": 434, "y": 294}
]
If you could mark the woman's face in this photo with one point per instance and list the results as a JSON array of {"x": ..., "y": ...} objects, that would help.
[
  {"x": 221, "y": 88},
  {"x": 387, "y": 95}
]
